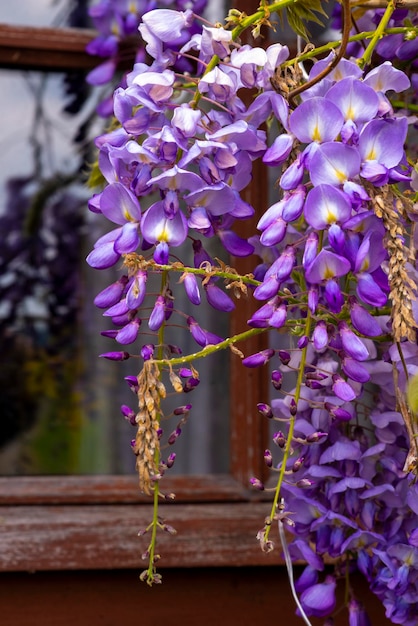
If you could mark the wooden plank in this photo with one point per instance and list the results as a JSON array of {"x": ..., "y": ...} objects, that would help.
[
  {"x": 116, "y": 489},
  {"x": 45, "y": 49},
  {"x": 36, "y": 538},
  {"x": 236, "y": 596}
]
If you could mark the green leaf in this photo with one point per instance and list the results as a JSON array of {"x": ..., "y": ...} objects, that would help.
[
  {"x": 412, "y": 394},
  {"x": 96, "y": 178},
  {"x": 302, "y": 12}
]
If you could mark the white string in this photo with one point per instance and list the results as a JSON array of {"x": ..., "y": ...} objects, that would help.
[{"x": 289, "y": 567}]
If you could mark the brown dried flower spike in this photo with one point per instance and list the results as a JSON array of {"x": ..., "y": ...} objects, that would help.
[
  {"x": 150, "y": 393},
  {"x": 402, "y": 287}
]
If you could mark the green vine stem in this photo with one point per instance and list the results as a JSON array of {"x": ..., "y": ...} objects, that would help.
[
  {"x": 288, "y": 447},
  {"x": 321, "y": 50},
  {"x": 152, "y": 577},
  {"x": 367, "y": 55},
  {"x": 212, "y": 348}
]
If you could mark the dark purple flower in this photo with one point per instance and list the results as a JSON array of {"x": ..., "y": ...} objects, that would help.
[
  {"x": 115, "y": 356},
  {"x": 157, "y": 317},
  {"x": 218, "y": 298},
  {"x": 260, "y": 358},
  {"x": 319, "y": 600}
]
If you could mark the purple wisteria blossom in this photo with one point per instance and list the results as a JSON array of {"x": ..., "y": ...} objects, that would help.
[{"x": 335, "y": 250}]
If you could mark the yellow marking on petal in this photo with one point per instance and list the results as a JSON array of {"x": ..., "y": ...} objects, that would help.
[
  {"x": 328, "y": 273},
  {"x": 372, "y": 155},
  {"x": 351, "y": 113},
  {"x": 331, "y": 217},
  {"x": 164, "y": 235},
  {"x": 127, "y": 215},
  {"x": 342, "y": 177},
  {"x": 316, "y": 135}
]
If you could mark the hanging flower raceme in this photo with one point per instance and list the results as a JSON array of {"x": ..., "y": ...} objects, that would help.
[{"x": 335, "y": 250}]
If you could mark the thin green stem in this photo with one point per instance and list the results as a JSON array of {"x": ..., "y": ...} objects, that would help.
[
  {"x": 367, "y": 55},
  {"x": 335, "y": 60},
  {"x": 288, "y": 447},
  {"x": 230, "y": 341},
  {"x": 321, "y": 50},
  {"x": 212, "y": 271},
  {"x": 398, "y": 104},
  {"x": 261, "y": 15},
  {"x": 155, "y": 523},
  {"x": 401, "y": 356}
]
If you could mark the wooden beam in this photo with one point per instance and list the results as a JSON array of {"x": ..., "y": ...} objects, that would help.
[
  {"x": 45, "y": 49},
  {"x": 69, "y": 537}
]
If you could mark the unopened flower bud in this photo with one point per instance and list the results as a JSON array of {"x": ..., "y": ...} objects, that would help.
[
  {"x": 174, "y": 349},
  {"x": 190, "y": 384},
  {"x": 337, "y": 412},
  {"x": 176, "y": 382},
  {"x": 298, "y": 464},
  {"x": 257, "y": 484},
  {"x": 170, "y": 460},
  {"x": 169, "y": 529},
  {"x": 276, "y": 379},
  {"x": 315, "y": 437},
  {"x": 303, "y": 342},
  {"x": 265, "y": 410},
  {"x": 174, "y": 436},
  {"x": 128, "y": 414},
  {"x": 268, "y": 458},
  {"x": 313, "y": 384},
  {"x": 260, "y": 358},
  {"x": 182, "y": 410},
  {"x": 293, "y": 408},
  {"x": 279, "y": 439},
  {"x": 111, "y": 334},
  {"x": 133, "y": 383},
  {"x": 147, "y": 351},
  {"x": 304, "y": 483},
  {"x": 115, "y": 356},
  {"x": 284, "y": 356}
]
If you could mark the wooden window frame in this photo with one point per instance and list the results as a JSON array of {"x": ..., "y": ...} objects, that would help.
[{"x": 91, "y": 522}]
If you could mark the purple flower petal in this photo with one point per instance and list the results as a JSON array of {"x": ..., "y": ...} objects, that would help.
[
  {"x": 279, "y": 150},
  {"x": 355, "y": 99},
  {"x": 129, "y": 333},
  {"x": 103, "y": 256},
  {"x": 319, "y": 600},
  {"x": 342, "y": 389},
  {"x": 191, "y": 287},
  {"x": 258, "y": 359},
  {"x": 354, "y": 370},
  {"x": 218, "y": 298},
  {"x": 334, "y": 163},
  {"x": 316, "y": 119},
  {"x": 369, "y": 291},
  {"x": 327, "y": 265},
  {"x": 326, "y": 205},
  {"x": 352, "y": 344},
  {"x": 383, "y": 141}
]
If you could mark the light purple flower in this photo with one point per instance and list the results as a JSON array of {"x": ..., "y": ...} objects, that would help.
[
  {"x": 334, "y": 163},
  {"x": 355, "y": 99},
  {"x": 316, "y": 119},
  {"x": 325, "y": 205}
]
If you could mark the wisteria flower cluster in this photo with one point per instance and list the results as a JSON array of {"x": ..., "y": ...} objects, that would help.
[
  {"x": 117, "y": 23},
  {"x": 335, "y": 279}
]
